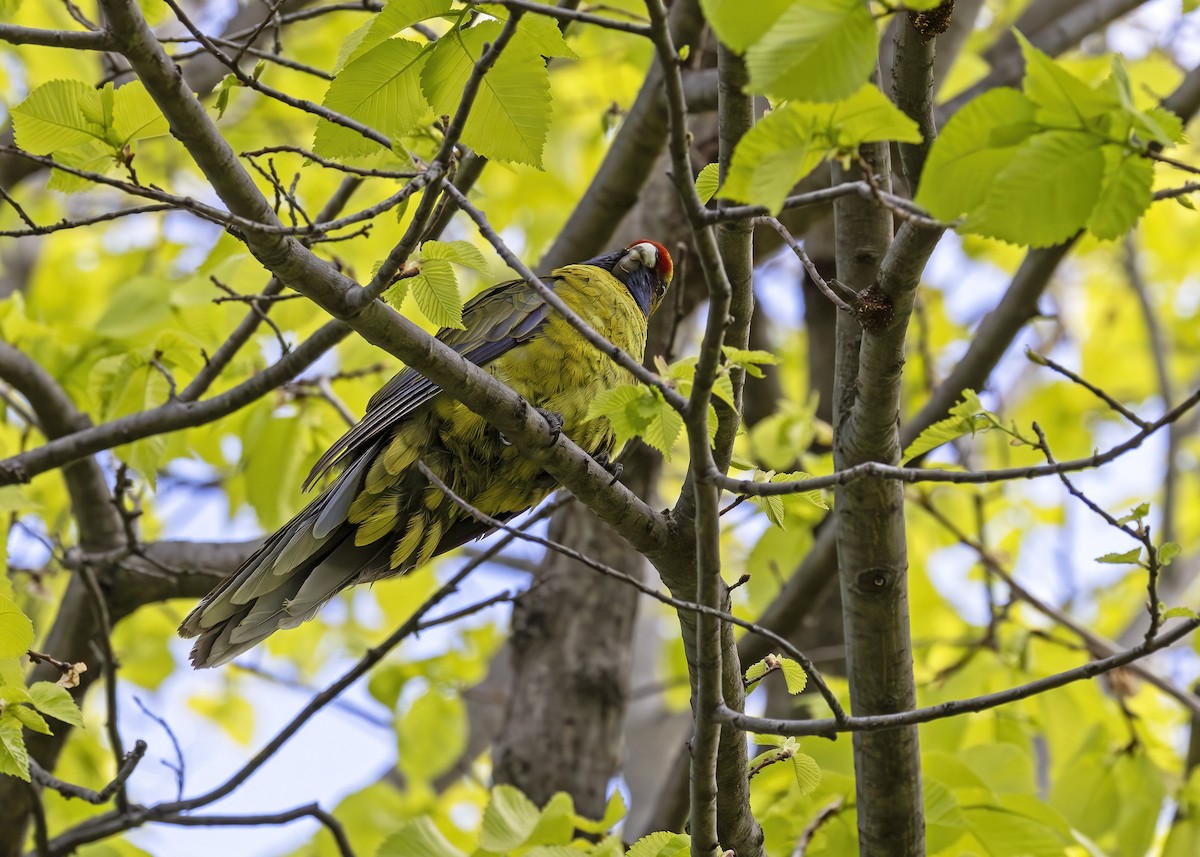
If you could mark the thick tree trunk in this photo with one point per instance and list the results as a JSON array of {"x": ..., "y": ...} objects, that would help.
[{"x": 570, "y": 655}]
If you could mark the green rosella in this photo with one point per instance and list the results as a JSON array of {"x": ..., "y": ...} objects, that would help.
[{"x": 380, "y": 516}]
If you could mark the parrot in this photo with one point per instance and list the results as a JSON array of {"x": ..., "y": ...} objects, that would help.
[{"x": 380, "y": 516}]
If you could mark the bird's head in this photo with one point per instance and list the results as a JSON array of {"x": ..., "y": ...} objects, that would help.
[{"x": 644, "y": 267}]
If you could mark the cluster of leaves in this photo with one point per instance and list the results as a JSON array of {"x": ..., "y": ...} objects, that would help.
[
  {"x": 813, "y": 59},
  {"x": 804, "y": 766},
  {"x": 638, "y": 410},
  {"x": 968, "y": 417},
  {"x": 1031, "y": 167},
  {"x": 435, "y": 286},
  {"x": 24, "y": 707},
  {"x": 513, "y": 826},
  {"x": 1038, "y": 165},
  {"x": 86, "y": 128},
  {"x": 397, "y": 85}
]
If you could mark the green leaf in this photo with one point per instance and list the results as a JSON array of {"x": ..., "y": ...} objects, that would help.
[
  {"x": 619, "y": 407},
  {"x": 817, "y": 50},
  {"x": 766, "y": 740},
  {"x": 382, "y": 89},
  {"x": 543, "y": 36},
  {"x": 510, "y": 118},
  {"x": 749, "y": 359},
  {"x": 661, "y": 844},
  {"x": 55, "y": 701},
  {"x": 1008, "y": 832},
  {"x": 138, "y": 304},
  {"x": 789, "y": 142},
  {"x": 758, "y": 669},
  {"x": 793, "y": 675},
  {"x": 30, "y": 719},
  {"x": 635, "y": 410},
  {"x": 815, "y": 497},
  {"x": 93, "y": 157},
  {"x": 16, "y": 630},
  {"x": 508, "y": 821},
  {"x": 1063, "y": 97},
  {"x": 555, "y": 825},
  {"x": 772, "y": 504},
  {"x": 969, "y": 153},
  {"x": 737, "y": 29},
  {"x": 1137, "y": 513},
  {"x": 397, "y": 15},
  {"x": 614, "y": 811},
  {"x": 14, "y": 758},
  {"x": 1126, "y": 558},
  {"x": 663, "y": 423},
  {"x": 1167, "y": 551},
  {"x": 135, "y": 115},
  {"x": 418, "y": 838},
  {"x": 436, "y": 291},
  {"x": 967, "y": 417},
  {"x": 1127, "y": 191},
  {"x": 59, "y": 114},
  {"x": 1180, "y": 613},
  {"x": 14, "y": 498},
  {"x": 707, "y": 181},
  {"x": 431, "y": 736},
  {"x": 460, "y": 252},
  {"x": 808, "y": 773}
]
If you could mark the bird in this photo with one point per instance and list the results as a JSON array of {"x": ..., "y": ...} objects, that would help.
[{"x": 379, "y": 515}]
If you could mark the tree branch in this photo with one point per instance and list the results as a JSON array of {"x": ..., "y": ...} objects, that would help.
[{"x": 887, "y": 722}]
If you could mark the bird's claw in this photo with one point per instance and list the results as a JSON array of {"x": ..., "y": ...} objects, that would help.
[
  {"x": 555, "y": 420},
  {"x": 616, "y": 468}
]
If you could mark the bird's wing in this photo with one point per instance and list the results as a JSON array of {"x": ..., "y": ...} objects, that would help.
[{"x": 493, "y": 322}]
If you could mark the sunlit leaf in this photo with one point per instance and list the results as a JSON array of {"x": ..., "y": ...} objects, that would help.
[
  {"x": 14, "y": 758},
  {"x": 16, "y": 630},
  {"x": 508, "y": 821},
  {"x": 734, "y": 27},
  {"x": 808, "y": 773},
  {"x": 707, "y": 181},
  {"x": 381, "y": 89},
  {"x": 418, "y": 838},
  {"x": 661, "y": 844},
  {"x": 817, "y": 50},
  {"x": 1126, "y": 558}
]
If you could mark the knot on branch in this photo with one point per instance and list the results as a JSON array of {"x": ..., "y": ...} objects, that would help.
[
  {"x": 874, "y": 309},
  {"x": 932, "y": 22},
  {"x": 877, "y": 582}
]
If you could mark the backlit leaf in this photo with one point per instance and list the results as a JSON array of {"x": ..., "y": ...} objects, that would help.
[
  {"x": 817, "y": 50},
  {"x": 53, "y": 117},
  {"x": 418, "y": 838},
  {"x": 707, "y": 181},
  {"x": 16, "y": 630},
  {"x": 436, "y": 291},
  {"x": 381, "y": 89}
]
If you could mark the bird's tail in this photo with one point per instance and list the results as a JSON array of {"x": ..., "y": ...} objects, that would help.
[{"x": 288, "y": 579}]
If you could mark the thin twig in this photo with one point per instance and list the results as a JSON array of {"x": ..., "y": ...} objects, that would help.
[
  {"x": 679, "y": 604},
  {"x": 881, "y": 722},
  {"x": 813, "y": 273},
  {"x": 1100, "y": 394},
  {"x": 872, "y": 469},
  {"x": 70, "y": 790},
  {"x": 103, "y": 642}
]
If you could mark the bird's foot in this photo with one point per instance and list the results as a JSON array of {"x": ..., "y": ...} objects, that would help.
[
  {"x": 616, "y": 468},
  {"x": 555, "y": 420}
]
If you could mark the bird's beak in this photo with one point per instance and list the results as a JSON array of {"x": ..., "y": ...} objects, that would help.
[{"x": 642, "y": 255}]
